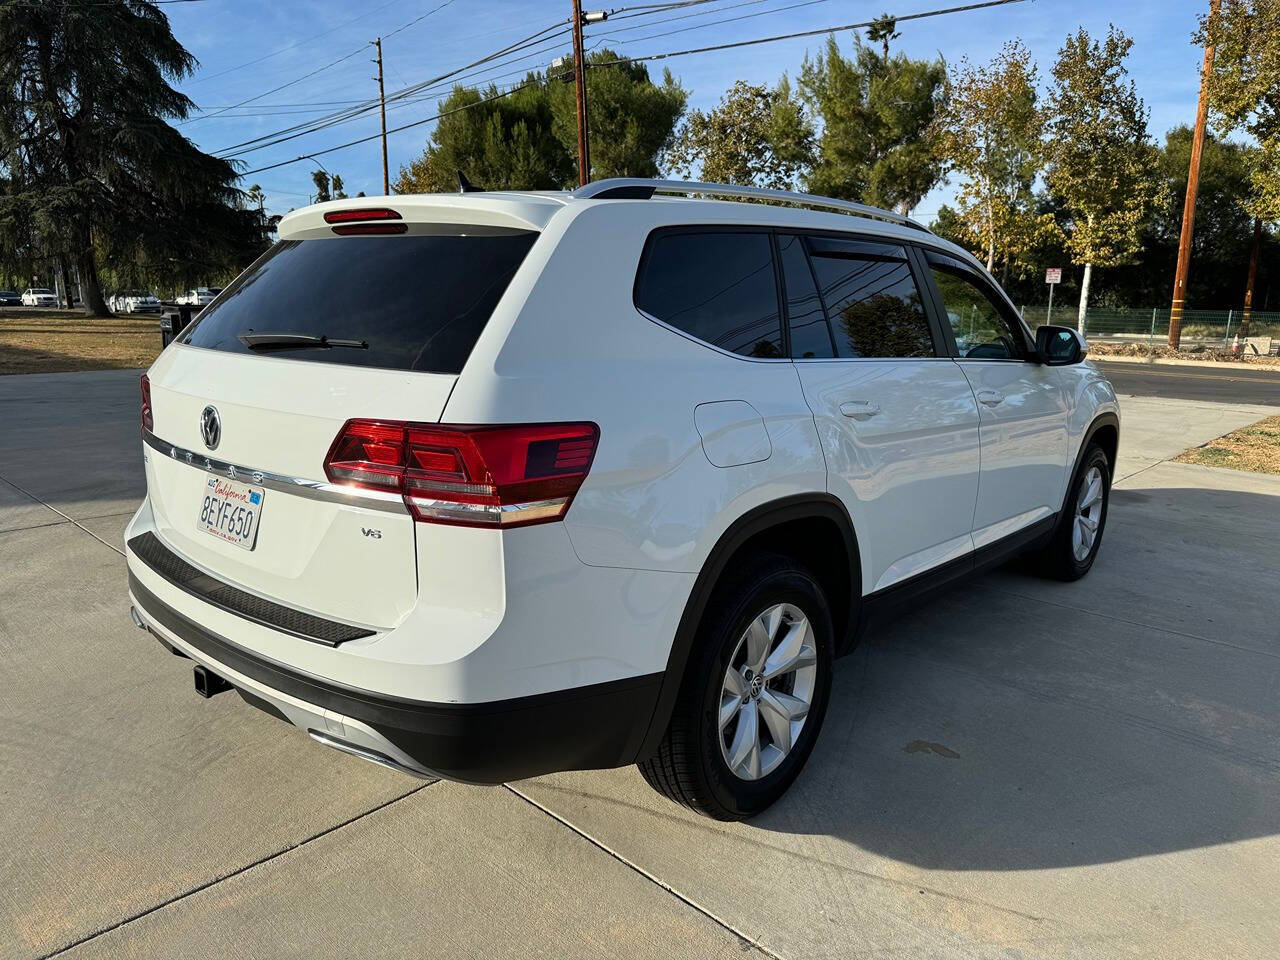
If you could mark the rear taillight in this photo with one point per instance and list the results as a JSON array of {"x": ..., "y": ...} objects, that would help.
[
  {"x": 356, "y": 222},
  {"x": 148, "y": 422},
  {"x": 500, "y": 476}
]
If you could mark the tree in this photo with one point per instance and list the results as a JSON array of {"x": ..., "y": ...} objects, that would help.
[
  {"x": 500, "y": 143},
  {"x": 757, "y": 135},
  {"x": 883, "y": 29},
  {"x": 877, "y": 113},
  {"x": 990, "y": 132},
  {"x": 338, "y": 192},
  {"x": 1244, "y": 90},
  {"x": 1101, "y": 163},
  {"x": 631, "y": 120},
  {"x": 85, "y": 96},
  {"x": 321, "y": 179},
  {"x": 528, "y": 140}
]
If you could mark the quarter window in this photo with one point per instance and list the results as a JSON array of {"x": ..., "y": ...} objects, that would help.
[
  {"x": 872, "y": 299},
  {"x": 982, "y": 327},
  {"x": 716, "y": 286}
]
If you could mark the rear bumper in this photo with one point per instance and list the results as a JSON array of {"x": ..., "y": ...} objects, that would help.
[{"x": 595, "y": 726}]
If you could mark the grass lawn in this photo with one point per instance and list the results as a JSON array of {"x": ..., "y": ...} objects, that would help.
[
  {"x": 1255, "y": 447},
  {"x": 55, "y": 341}
]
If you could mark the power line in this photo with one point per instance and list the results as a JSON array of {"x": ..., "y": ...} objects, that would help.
[
  {"x": 966, "y": 8},
  {"x": 343, "y": 116}
]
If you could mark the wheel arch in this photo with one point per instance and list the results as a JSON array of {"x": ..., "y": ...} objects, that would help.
[{"x": 823, "y": 523}]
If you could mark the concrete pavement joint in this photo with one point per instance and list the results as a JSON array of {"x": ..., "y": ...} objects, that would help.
[
  {"x": 176, "y": 898},
  {"x": 647, "y": 875},
  {"x": 70, "y": 520}
]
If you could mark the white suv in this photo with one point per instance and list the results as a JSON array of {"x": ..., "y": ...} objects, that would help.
[{"x": 596, "y": 478}]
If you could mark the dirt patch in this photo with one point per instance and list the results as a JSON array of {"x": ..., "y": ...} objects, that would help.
[
  {"x": 55, "y": 341},
  {"x": 1255, "y": 447},
  {"x": 1168, "y": 353}
]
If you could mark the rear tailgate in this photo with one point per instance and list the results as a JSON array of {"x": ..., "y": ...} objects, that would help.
[
  {"x": 323, "y": 329},
  {"x": 278, "y": 419}
]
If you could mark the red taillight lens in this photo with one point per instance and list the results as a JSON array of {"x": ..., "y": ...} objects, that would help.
[
  {"x": 368, "y": 213},
  {"x": 148, "y": 421},
  {"x": 501, "y": 476},
  {"x": 364, "y": 229}
]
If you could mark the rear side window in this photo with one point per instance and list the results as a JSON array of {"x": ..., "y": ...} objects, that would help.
[
  {"x": 872, "y": 299},
  {"x": 718, "y": 287},
  {"x": 415, "y": 302}
]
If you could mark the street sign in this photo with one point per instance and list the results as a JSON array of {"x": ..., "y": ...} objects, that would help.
[{"x": 1053, "y": 275}]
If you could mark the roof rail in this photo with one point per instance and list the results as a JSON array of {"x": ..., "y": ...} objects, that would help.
[{"x": 634, "y": 188}]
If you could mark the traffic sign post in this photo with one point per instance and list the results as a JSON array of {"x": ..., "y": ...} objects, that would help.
[{"x": 1053, "y": 277}]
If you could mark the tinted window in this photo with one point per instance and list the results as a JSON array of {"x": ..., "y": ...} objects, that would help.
[
  {"x": 419, "y": 302},
  {"x": 872, "y": 299},
  {"x": 718, "y": 287},
  {"x": 810, "y": 336},
  {"x": 982, "y": 328}
]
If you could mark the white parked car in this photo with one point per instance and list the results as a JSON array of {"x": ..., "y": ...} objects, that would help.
[
  {"x": 597, "y": 478},
  {"x": 39, "y": 297},
  {"x": 140, "y": 302},
  {"x": 199, "y": 297}
]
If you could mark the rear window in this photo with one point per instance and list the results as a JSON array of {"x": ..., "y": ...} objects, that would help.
[
  {"x": 417, "y": 302},
  {"x": 716, "y": 286}
]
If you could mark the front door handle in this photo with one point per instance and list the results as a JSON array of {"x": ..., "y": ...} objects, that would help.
[
  {"x": 859, "y": 409},
  {"x": 990, "y": 398}
]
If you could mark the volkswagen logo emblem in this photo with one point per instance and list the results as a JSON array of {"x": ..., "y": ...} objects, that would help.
[{"x": 210, "y": 427}]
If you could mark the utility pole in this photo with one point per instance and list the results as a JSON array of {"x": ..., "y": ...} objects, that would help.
[
  {"x": 382, "y": 105},
  {"x": 580, "y": 80},
  {"x": 1248, "y": 290},
  {"x": 1193, "y": 186}
]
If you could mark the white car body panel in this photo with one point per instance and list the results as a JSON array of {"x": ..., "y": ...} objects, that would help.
[{"x": 692, "y": 438}]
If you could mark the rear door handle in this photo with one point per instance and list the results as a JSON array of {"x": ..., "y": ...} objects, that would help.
[
  {"x": 859, "y": 409},
  {"x": 990, "y": 398}
]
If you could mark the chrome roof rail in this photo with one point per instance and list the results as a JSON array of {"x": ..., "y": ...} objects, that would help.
[{"x": 633, "y": 188}]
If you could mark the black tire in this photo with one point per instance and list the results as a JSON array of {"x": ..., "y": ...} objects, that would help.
[
  {"x": 1058, "y": 559},
  {"x": 689, "y": 766}
]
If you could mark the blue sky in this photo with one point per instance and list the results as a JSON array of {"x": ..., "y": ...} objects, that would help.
[{"x": 307, "y": 35}]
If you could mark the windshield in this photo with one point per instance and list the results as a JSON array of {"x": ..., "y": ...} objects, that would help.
[{"x": 419, "y": 302}]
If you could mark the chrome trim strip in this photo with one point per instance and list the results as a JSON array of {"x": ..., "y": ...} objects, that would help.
[
  {"x": 490, "y": 514},
  {"x": 364, "y": 753},
  {"x": 311, "y": 489}
]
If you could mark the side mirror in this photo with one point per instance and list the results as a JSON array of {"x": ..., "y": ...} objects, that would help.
[{"x": 1060, "y": 346}]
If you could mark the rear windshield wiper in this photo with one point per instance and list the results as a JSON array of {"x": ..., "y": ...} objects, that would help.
[{"x": 267, "y": 341}]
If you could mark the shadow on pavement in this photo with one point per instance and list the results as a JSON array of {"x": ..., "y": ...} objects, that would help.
[{"x": 1017, "y": 724}]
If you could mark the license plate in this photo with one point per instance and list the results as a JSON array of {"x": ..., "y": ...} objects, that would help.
[{"x": 232, "y": 511}]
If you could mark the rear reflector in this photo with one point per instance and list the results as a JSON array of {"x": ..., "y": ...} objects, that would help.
[
  {"x": 148, "y": 420},
  {"x": 492, "y": 476},
  {"x": 369, "y": 213}
]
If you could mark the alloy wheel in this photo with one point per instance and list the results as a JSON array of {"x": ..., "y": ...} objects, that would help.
[{"x": 1088, "y": 516}]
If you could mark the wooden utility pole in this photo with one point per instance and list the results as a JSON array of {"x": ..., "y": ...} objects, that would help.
[
  {"x": 382, "y": 105},
  {"x": 580, "y": 79},
  {"x": 1247, "y": 313},
  {"x": 1193, "y": 186}
]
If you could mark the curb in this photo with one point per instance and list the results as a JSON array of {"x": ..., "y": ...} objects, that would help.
[{"x": 1171, "y": 362}]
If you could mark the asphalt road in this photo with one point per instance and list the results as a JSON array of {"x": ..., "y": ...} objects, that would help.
[
  {"x": 1234, "y": 383},
  {"x": 1018, "y": 770}
]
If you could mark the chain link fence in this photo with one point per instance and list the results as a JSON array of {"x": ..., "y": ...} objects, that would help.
[{"x": 1207, "y": 329}]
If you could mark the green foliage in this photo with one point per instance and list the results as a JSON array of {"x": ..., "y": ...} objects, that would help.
[
  {"x": 757, "y": 135},
  {"x": 95, "y": 171},
  {"x": 877, "y": 112},
  {"x": 529, "y": 140},
  {"x": 1244, "y": 91},
  {"x": 1101, "y": 163},
  {"x": 631, "y": 119},
  {"x": 990, "y": 133}
]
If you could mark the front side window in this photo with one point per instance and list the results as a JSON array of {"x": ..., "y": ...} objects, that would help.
[
  {"x": 873, "y": 302},
  {"x": 982, "y": 327},
  {"x": 716, "y": 286}
]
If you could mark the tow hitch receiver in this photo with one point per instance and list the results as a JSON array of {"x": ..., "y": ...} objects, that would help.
[{"x": 209, "y": 684}]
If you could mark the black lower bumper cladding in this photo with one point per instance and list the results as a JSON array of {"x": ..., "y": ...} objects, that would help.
[{"x": 583, "y": 728}]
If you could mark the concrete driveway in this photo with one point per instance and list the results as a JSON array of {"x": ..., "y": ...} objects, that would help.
[{"x": 1020, "y": 769}]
